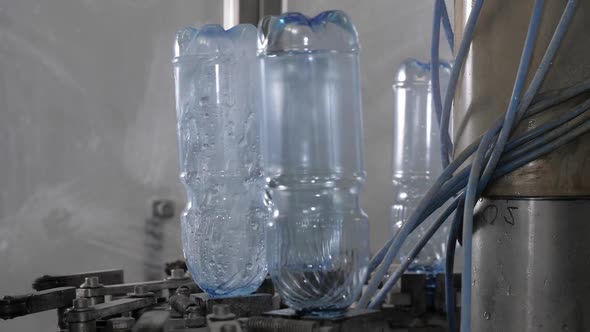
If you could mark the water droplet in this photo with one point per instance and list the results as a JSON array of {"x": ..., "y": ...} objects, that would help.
[
  {"x": 508, "y": 290},
  {"x": 487, "y": 315},
  {"x": 531, "y": 124}
]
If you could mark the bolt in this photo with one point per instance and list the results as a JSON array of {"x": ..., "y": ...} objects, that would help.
[
  {"x": 177, "y": 274},
  {"x": 228, "y": 328},
  {"x": 81, "y": 303},
  {"x": 91, "y": 282}
]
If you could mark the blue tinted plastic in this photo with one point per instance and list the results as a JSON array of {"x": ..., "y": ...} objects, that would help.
[
  {"x": 217, "y": 90},
  {"x": 313, "y": 159},
  {"x": 416, "y": 157}
]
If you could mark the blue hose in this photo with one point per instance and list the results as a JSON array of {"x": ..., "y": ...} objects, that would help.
[
  {"x": 450, "y": 267},
  {"x": 434, "y": 60},
  {"x": 446, "y": 22},
  {"x": 470, "y": 199},
  {"x": 458, "y": 65}
]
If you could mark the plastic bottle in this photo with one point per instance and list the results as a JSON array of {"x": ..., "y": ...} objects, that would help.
[
  {"x": 217, "y": 88},
  {"x": 416, "y": 157},
  {"x": 313, "y": 159}
]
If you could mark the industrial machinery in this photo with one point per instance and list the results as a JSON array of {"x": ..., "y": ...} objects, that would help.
[
  {"x": 515, "y": 184},
  {"x": 101, "y": 301}
]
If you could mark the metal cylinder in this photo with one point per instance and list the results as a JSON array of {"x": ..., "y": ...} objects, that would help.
[
  {"x": 486, "y": 82},
  {"x": 530, "y": 259},
  {"x": 529, "y": 246}
]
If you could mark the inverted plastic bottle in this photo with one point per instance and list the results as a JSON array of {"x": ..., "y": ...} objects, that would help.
[
  {"x": 313, "y": 159},
  {"x": 416, "y": 157},
  {"x": 217, "y": 89}
]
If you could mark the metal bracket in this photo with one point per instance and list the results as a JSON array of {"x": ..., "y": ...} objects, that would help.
[
  {"x": 16, "y": 306},
  {"x": 124, "y": 289},
  {"x": 106, "y": 277}
]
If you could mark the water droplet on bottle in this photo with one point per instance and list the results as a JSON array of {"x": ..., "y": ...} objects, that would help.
[{"x": 487, "y": 315}]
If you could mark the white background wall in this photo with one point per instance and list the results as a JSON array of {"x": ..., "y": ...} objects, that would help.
[{"x": 87, "y": 126}]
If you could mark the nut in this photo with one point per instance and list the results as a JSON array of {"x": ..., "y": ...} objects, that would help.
[
  {"x": 91, "y": 282},
  {"x": 81, "y": 303},
  {"x": 221, "y": 312}
]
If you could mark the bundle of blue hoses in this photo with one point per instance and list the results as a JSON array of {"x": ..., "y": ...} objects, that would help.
[{"x": 493, "y": 155}]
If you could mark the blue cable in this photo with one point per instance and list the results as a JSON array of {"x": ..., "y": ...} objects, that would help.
[
  {"x": 542, "y": 150},
  {"x": 460, "y": 183},
  {"x": 516, "y": 114},
  {"x": 435, "y": 66},
  {"x": 458, "y": 65},
  {"x": 557, "y": 97},
  {"x": 544, "y": 128},
  {"x": 431, "y": 201},
  {"x": 470, "y": 199},
  {"x": 503, "y": 170},
  {"x": 498, "y": 149},
  {"x": 446, "y": 22},
  {"x": 547, "y": 60},
  {"x": 450, "y": 267},
  {"x": 413, "y": 253},
  {"x": 566, "y": 123},
  {"x": 434, "y": 60},
  {"x": 445, "y": 180}
]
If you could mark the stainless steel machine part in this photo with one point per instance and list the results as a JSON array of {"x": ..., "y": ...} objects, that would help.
[
  {"x": 123, "y": 289},
  {"x": 530, "y": 250},
  {"x": 82, "y": 318},
  {"x": 530, "y": 261},
  {"x": 486, "y": 82}
]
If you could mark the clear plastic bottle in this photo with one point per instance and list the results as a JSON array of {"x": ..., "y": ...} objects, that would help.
[
  {"x": 217, "y": 90},
  {"x": 416, "y": 157},
  {"x": 313, "y": 159}
]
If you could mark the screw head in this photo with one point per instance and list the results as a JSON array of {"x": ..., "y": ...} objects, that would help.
[
  {"x": 81, "y": 303},
  {"x": 91, "y": 282}
]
